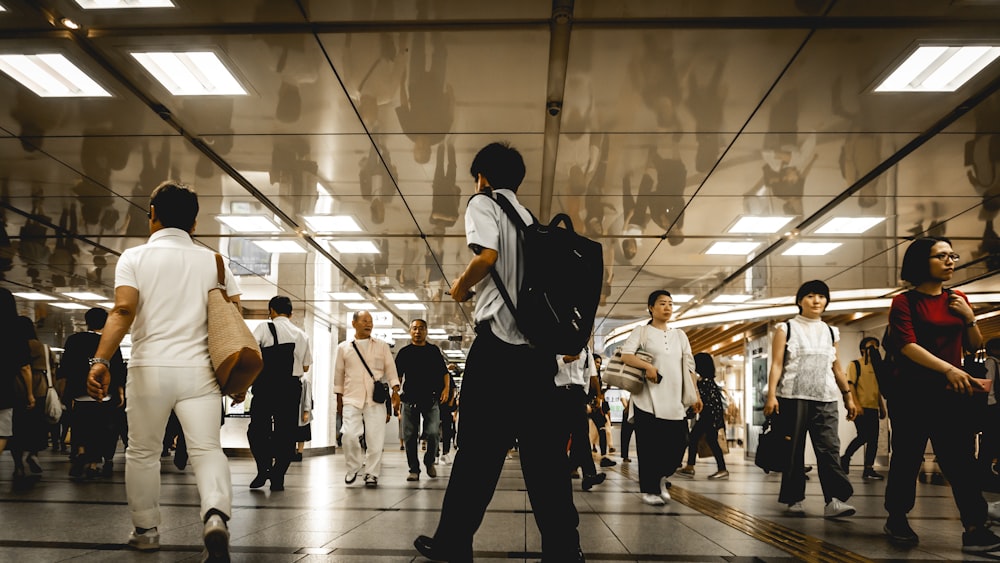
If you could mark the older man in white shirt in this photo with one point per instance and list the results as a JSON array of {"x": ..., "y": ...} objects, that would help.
[{"x": 361, "y": 364}]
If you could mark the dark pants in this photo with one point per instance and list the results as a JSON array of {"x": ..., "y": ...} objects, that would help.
[
  {"x": 660, "y": 446},
  {"x": 447, "y": 427},
  {"x": 412, "y": 416},
  {"x": 92, "y": 429},
  {"x": 627, "y": 428},
  {"x": 488, "y": 429},
  {"x": 704, "y": 427},
  {"x": 274, "y": 423},
  {"x": 602, "y": 434},
  {"x": 820, "y": 420},
  {"x": 867, "y": 426},
  {"x": 571, "y": 404},
  {"x": 944, "y": 418}
]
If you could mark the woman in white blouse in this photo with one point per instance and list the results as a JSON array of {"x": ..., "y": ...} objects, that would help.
[
  {"x": 661, "y": 429},
  {"x": 804, "y": 383}
]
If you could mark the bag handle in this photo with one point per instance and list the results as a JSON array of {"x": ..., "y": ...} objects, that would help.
[{"x": 48, "y": 368}]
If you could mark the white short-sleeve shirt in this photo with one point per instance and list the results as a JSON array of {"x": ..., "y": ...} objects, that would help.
[
  {"x": 287, "y": 332},
  {"x": 673, "y": 359},
  {"x": 173, "y": 277},
  {"x": 577, "y": 372},
  {"x": 487, "y": 226}
]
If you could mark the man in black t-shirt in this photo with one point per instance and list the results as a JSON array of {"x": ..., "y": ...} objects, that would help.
[{"x": 422, "y": 369}]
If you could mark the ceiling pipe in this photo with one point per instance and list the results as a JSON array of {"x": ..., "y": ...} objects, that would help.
[{"x": 561, "y": 25}]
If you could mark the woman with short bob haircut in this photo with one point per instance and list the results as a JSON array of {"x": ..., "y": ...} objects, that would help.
[{"x": 930, "y": 396}]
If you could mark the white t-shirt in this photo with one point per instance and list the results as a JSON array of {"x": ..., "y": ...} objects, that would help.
[
  {"x": 487, "y": 226},
  {"x": 577, "y": 372},
  {"x": 809, "y": 357},
  {"x": 673, "y": 359},
  {"x": 287, "y": 332},
  {"x": 173, "y": 277}
]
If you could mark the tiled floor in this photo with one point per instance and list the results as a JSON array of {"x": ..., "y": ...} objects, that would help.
[{"x": 318, "y": 518}]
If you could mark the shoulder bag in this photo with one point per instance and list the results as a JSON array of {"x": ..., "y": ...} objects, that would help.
[
  {"x": 53, "y": 405},
  {"x": 380, "y": 393},
  {"x": 234, "y": 351},
  {"x": 774, "y": 446},
  {"x": 621, "y": 375}
]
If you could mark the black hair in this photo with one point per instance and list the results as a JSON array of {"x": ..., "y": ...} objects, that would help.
[
  {"x": 26, "y": 327},
  {"x": 818, "y": 287},
  {"x": 176, "y": 205},
  {"x": 993, "y": 346},
  {"x": 501, "y": 165},
  {"x": 598, "y": 357},
  {"x": 420, "y": 320},
  {"x": 281, "y": 304},
  {"x": 916, "y": 268},
  {"x": 96, "y": 318},
  {"x": 704, "y": 365},
  {"x": 8, "y": 307},
  {"x": 651, "y": 300},
  {"x": 866, "y": 340}
]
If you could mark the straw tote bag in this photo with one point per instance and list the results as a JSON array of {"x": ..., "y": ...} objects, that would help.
[{"x": 234, "y": 351}]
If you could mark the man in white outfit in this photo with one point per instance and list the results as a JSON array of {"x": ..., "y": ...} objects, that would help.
[
  {"x": 161, "y": 293},
  {"x": 361, "y": 364}
]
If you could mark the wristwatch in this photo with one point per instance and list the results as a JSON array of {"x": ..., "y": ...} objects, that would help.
[
  {"x": 971, "y": 323},
  {"x": 94, "y": 361}
]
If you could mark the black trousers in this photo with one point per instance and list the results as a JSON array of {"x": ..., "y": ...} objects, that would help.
[
  {"x": 486, "y": 431},
  {"x": 819, "y": 419},
  {"x": 660, "y": 446},
  {"x": 627, "y": 429},
  {"x": 944, "y": 418},
  {"x": 93, "y": 429},
  {"x": 274, "y": 424},
  {"x": 571, "y": 402},
  {"x": 867, "y": 426},
  {"x": 704, "y": 427}
]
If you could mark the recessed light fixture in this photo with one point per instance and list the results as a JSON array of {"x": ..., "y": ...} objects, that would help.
[
  {"x": 360, "y": 306},
  {"x": 191, "y": 73},
  {"x": 753, "y": 225},
  {"x": 355, "y": 246},
  {"x": 280, "y": 246},
  {"x": 69, "y": 24},
  {"x": 332, "y": 223},
  {"x": 732, "y": 248},
  {"x": 811, "y": 248},
  {"x": 436, "y": 331},
  {"x": 412, "y": 307},
  {"x": 51, "y": 75},
  {"x": 34, "y": 296},
  {"x": 848, "y": 225},
  {"x": 2, "y": 9},
  {"x": 118, "y": 4},
  {"x": 939, "y": 68},
  {"x": 71, "y": 306},
  {"x": 346, "y": 296},
  {"x": 681, "y": 297},
  {"x": 249, "y": 223},
  {"x": 85, "y": 296},
  {"x": 394, "y": 296},
  {"x": 728, "y": 298}
]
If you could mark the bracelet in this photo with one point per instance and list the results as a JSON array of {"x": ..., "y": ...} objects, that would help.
[
  {"x": 102, "y": 361},
  {"x": 848, "y": 392}
]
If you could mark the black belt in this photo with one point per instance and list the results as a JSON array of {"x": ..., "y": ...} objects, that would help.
[{"x": 570, "y": 386}]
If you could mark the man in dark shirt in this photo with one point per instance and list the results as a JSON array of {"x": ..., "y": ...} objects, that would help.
[{"x": 425, "y": 379}]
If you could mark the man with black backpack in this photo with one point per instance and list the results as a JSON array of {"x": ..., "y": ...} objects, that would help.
[
  {"x": 500, "y": 358},
  {"x": 861, "y": 375}
]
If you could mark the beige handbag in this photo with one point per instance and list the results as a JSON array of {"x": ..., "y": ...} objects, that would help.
[{"x": 234, "y": 351}]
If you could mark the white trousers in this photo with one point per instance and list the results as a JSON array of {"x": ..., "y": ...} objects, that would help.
[
  {"x": 371, "y": 422},
  {"x": 193, "y": 393}
]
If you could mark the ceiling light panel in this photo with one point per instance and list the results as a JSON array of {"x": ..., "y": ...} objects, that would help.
[
  {"x": 119, "y": 4},
  {"x": 681, "y": 297},
  {"x": 732, "y": 248},
  {"x": 71, "y": 306},
  {"x": 412, "y": 307},
  {"x": 346, "y": 296},
  {"x": 249, "y": 223},
  {"x": 192, "y": 73},
  {"x": 51, "y": 75},
  {"x": 85, "y": 296},
  {"x": 726, "y": 298},
  {"x": 848, "y": 225},
  {"x": 811, "y": 248},
  {"x": 759, "y": 225},
  {"x": 34, "y": 296},
  {"x": 355, "y": 246},
  {"x": 939, "y": 68},
  {"x": 360, "y": 306},
  {"x": 280, "y": 246},
  {"x": 332, "y": 224},
  {"x": 394, "y": 296}
]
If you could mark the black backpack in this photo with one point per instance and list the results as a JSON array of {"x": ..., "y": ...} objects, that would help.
[{"x": 561, "y": 286}]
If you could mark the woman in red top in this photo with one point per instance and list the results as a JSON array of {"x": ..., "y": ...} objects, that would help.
[{"x": 932, "y": 399}]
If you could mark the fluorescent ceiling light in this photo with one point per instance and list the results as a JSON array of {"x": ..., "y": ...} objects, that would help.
[
  {"x": 394, "y": 296},
  {"x": 280, "y": 246},
  {"x": 681, "y": 297},
  {"x": 71, "y": 306},
  {"x": 116, "y": 4},
  {"x": 811, "y": 248},
  {"x": 107, "y": 304},
  {"x": 849, "y": 225},
  {"x": 194, "y": 73},
  {"x": 436, "y": 331},
  {"x": 708, "y": 310},
  {"x": 938, "y": 68},
  {"x": 360, "y": 306},
  {"x": 332, "y": 223},
  {"x": 751, "y": 225},
  {"x": 2, "y": 9},
  {"x": 355, "y": 246},
  {"x": 249, "y": 223},
  {"x": 857, "y": 293},
  {"x": 728, "y": 298},
  {"x": 85, "y": 296},
  {"x": 51, "y": 76},
  {"x": 412, "y": 307},
  {"x": 346, "y": 296},
  {"x": 732, "y": 248},
  {"x": 34, "y": 296}
]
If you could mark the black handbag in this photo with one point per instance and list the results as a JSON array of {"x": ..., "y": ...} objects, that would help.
[
  {"x": 774, "y": 447},
  {"x": 380, "y": 393}
]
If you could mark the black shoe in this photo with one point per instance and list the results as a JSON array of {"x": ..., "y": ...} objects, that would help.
[
  {"x": 871, "y": 475},
  {"x": 297, "y": 456},
  {"x": 277, "y": 485},
  {"x": 845, "y": 464},
  {"x": 92, "y": 474},
  {"x": 605, "y": 462},
  {"x": 259, "y": 480},
  {"x": 33, "y": 465},
  {"x": 108, "y": 469},
  {"x": 590, "y": 480},
  {"x": 180, "y": 461},
  {"x": 425, "y": 546},
  {"x": 900, "y": 532},
  {"x": 980, "y": 540},
  {"x": 76, "y": 470}
]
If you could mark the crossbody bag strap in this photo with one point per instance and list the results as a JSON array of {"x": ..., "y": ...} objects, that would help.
[
  {"x": 363, "y": 362},
  {"x": 220, "y": 270},
  {"x": 274, "y": 333}
]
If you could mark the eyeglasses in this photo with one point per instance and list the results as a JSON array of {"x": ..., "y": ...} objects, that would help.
[{"x": 946, "y": 256}]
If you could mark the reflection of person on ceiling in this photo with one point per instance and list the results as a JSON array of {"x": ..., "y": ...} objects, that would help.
[
  {"x": 787, "y": 158},
  {"x": 658, "y": 80},
  {"x": 666, "y": 201},
  {"x": 371, "y": 68},
  {"x": 427, "y": 104},
  {"x": 375, "y": 180},
  {"x": 62, "y": 261},
  {"x": 444, "y": 205},
  {"x": 32, "y": 248},
  {"x": 707, "y": 102},
  {"x": 982, "y": 159},
  {"x": 154, "y": 172}
]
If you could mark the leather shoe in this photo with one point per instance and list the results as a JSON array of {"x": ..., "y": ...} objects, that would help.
[
  {"x": 590, "y": 480},
  {"x": 425, "y": 546},
  {"x": 259, "y": 481}
]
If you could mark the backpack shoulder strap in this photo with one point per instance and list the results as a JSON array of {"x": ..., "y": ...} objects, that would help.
[
  {"x": 833, "y": 339},
  {"x": 857, "y": 370},
  {"x": 520, "y": 225},
  {"x": 274, "y": 332}
]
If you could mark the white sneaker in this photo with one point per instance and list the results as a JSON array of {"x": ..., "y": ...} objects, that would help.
[
  {"x": 837, "y": 508},
  {"x": 993, "y": 510},
  {"x": 664, "y": 491},
  {"x": 795, "y": 509},
  {"x": 146, "y": 541},
  {"x": 653, "y": 500}
]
